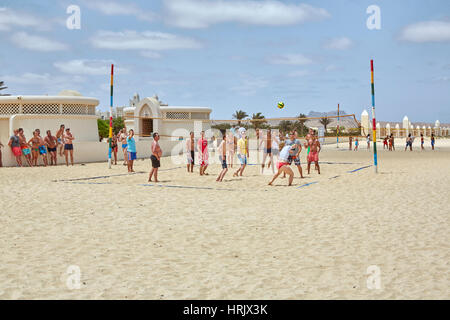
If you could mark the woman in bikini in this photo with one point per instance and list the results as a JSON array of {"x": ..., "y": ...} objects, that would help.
[
  {"x": 114, "y": 147},
  {"x": 34, "y": 148}
]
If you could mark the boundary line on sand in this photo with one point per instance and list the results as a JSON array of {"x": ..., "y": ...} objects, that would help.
[
  {"x": 109, "y": 176},
  {"x": 353, "y": 171}
]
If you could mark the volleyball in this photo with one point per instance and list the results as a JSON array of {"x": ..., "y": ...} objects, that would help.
[{"x": 280, "y": 105}]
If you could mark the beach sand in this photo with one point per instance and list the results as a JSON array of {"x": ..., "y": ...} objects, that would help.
[{"x": 239, "y": 239}]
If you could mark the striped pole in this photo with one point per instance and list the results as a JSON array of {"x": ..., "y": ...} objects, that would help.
[
  {"x": 374, "y": 126},
  {"x": 111, "y": 118},
  {"x": 337, "y": 129}
]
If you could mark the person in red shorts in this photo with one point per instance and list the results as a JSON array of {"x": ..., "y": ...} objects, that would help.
[
  {"x": 14, "y": 144},
  {"x": 283, "y": 164},
  {"x": 313, "y": 155}
]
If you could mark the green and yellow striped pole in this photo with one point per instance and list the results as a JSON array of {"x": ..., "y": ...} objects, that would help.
[{"x": 374, "y": 125}]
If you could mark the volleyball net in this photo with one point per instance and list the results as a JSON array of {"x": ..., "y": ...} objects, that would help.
[{"x": 342, "y": 125}]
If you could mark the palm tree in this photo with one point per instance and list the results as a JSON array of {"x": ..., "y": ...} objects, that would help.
[
  {"x": 2, "y": 87},
  {"x": 325, "y": 122},
  {"x": 258, "y": 116},
  {"x": 239, "y": 115},
  {"x": 299, "y": 125},
  {"x": 285, "y": 126}
]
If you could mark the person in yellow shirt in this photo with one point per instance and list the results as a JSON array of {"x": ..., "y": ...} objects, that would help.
[{"x": 242, "y": 146}]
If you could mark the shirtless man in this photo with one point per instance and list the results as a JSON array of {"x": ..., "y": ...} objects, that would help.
[
  {"x": 26, "y": 151},
  {"x": 314, "y": 155},
  {"x": 35, "y": 147},
  {"x": 190, "y": 147},
  {"x": 42, "y": 148},
  {"x": 68, "y": 146},
  {"x": 156, "y": 157},
  {"x": 52, "y": 144},
  {"x": 59, "y": 138},
  {"x": 283, "y": 164},
  {"x": 14, "y": 144},
  {"x": 222, "y": 150},
  {"x": 267, "y": 151},
  {"x": 202, "y": 146},
  {"x": 123, "y": 140},
  {"x": 350, "y": 142}
]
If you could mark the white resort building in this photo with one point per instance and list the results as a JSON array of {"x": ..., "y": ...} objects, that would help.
[
  {"x": 151, "y": 115},
  {"x": 79, "y": 114}
]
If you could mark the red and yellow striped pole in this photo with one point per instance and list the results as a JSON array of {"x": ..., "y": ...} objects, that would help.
[
  {"x": 111, "y": 118},
  {"x": 374, "y": 123}
]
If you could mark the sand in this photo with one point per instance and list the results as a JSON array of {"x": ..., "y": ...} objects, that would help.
[{"x": 240, "y": 239}]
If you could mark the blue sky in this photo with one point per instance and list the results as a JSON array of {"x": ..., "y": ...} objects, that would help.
[{"x": 236, "y": 54}]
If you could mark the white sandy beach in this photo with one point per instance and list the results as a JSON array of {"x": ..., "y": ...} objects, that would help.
[{"x": 240, "y": 239}]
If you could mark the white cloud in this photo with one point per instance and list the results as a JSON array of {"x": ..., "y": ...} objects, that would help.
[
  {"x": 36, "y": 43},
  {"x": 298, "y": 73},
  {"x": 426, "y": 31},
  {"x": 111, "y": 8},
  {"x": 330, "y": 68},
  {"x": 147, "y": 40},
  {"x": 88, "y": 67},
  {"x": 12, "y": 19},
  {"x": 27, "y": 83},
  {"x": 203, "y": 13},
  {"x": 151, "y": 55},
  {"x": 250, "y": 85},
  {"x": 341, "y": 43},
  {"x": 290, "y": 59}
]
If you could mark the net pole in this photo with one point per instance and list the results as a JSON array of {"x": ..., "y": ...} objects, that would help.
[
  {"x": 337, "y": 129},
  {"x": 111, "y": 118},
  {"x": 374, "y": 126}
]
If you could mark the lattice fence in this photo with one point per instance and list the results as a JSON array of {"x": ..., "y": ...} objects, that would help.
[
  {"x": 41, "y": 108},
  {"x": 177, "y": 115},
  {"x": 11, "y": 108},
  {"x": 199, "y": 115},
  {"x": 75, "y": 109}
]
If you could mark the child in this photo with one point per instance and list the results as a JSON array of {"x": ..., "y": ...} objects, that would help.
[
  {"x": 385, "y": 143},
  {"x": 242, "y": 152},
  {"x": 356, "y": 144},
  {"x": 222, "y": 150},
  {"x": 131, "y": 150}
]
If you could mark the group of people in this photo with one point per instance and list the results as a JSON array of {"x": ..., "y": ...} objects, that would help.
[
  {"x": 128, "y": 144},
  {"x": 236, "y": 142},
  {"x": 47, "y": 148}
]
